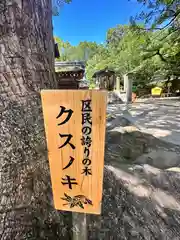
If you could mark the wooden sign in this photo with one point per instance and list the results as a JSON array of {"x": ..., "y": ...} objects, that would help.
[{"x": 75, "y": 123}]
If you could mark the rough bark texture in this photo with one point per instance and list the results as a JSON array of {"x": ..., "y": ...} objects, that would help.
[
  {"x": 141, "y": 204},
  {"x": 26, "y": 66}
]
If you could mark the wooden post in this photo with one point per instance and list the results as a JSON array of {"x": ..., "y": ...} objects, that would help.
[
  {"x": 128, "y": 88},
  {"x": 125, "y": 77},
  {"x": 169, "y": 87},
  {"x": 79, "y": 226},
  {"x": 117, "y": 83}
]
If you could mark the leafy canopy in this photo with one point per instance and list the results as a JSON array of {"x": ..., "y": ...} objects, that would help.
[{"x": 147, "y": 46}]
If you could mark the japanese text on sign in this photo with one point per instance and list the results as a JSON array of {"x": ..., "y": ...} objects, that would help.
[
  {"x": 75, "y": 133},
  {"x": 86, "y": 137}
]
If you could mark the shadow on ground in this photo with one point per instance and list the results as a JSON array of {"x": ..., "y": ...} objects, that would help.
[
  {"x": 132, "y": 210},
  {"x": 159, "y": 118},
  {"x": 139, "y": 201},
  {"x": 126, "y": 147}
]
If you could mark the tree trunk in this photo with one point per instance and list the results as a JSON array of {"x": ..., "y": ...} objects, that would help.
[{"x": 26, "y": 66}]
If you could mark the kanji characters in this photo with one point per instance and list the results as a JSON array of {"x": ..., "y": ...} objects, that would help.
[
  {"x": 87, "y": 171},
  {"x": 86, "y": 137},
  {"x": 86, "y": 140},
  {"x": 86, "y": 105},
  {"x": 86, "y": 118}
]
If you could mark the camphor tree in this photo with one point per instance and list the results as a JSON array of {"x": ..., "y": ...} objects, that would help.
[
  {"x": 26, "y": 67},
  {"x": 162, "y": 18},
  {"x": 26, "y": 209}
]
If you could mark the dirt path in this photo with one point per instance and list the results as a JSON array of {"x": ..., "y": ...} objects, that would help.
[{"x": 140, "y": 201}]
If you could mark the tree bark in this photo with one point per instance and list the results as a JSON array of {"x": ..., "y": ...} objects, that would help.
[{"x": 26, "y": 66}]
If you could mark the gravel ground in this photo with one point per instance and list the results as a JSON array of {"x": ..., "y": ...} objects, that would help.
[
  {"x": 139, "y": 201},
  {"x": 160, "y": 118}
]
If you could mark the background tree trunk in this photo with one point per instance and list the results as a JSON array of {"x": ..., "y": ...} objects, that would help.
[{"x": 26, "y": 66}]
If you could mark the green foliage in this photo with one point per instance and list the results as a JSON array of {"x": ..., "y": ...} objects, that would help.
[
  {"x": 82, "y": 52},
  {"x": 64, "y": 49},
  {"x": 159, "y": 13},
  {"x": 162, "y": 18},
  {"x": 124, "y": 53},
  {"x": 145, "y": 50},
  {"x": 57, "y": 4}
]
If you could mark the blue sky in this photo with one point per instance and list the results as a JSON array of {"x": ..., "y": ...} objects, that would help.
[{"x": 89, "y": 20}]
